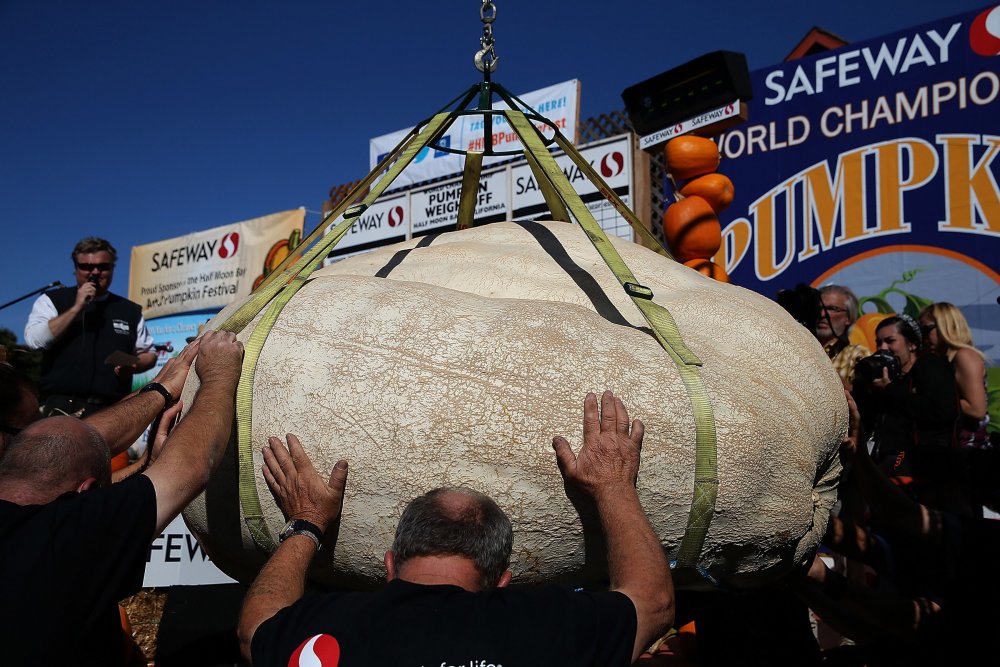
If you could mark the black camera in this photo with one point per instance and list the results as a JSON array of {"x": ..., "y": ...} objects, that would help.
[
  {"x": 870, "y": 368},
  {"x": 803, "y": 303}
]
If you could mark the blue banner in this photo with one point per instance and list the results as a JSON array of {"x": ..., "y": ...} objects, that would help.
[{"x": 875, "y": 166}]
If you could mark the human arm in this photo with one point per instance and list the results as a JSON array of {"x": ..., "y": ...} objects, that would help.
[
  {"x": 194, "y": 449},
  {"x": 123, "y": 422},
  {"x": 860, "y": 613},
  {"x": 970, "y": 369},
  {"x": 890, "y": 506},
  {"x": 163, "y": 423},
  {"x": 302, "y": 494},
  {"x": 46, "y": 324},
  {"x": 606, "y": 470},
  {"x": 146, "y": 357},
  {"x": 926, "y": 395},
  {"x": 37, "y": 335}
]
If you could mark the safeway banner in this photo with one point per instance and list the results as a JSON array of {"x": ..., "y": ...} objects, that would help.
[
  {"x": 210, "y": 269},
  {"x": 874, "y": 165},
  {"x": 559, "y": 103}
]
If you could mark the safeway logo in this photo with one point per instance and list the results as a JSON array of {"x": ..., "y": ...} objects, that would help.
[
  {"x": 984, "y": 33},
  {"x": 317, "y": 651},
  {"x": 395, "y": 216},
  {"x": 230, "y": 244},
  {"x": 612, "y": 164}
]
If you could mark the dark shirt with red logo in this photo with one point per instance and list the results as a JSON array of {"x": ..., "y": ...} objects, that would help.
[
  {"x": 63, "y": 568},
  {"x": 409, "y": 624}
]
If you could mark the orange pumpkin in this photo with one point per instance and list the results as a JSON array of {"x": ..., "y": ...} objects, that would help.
[
  {"x": 716, "y": 189},
  {"x": 689, "y": 156},
  {"x": 708, "y": 268},
  {"x": 119, "y": 461},
  {"x": 863, "y": 331},
  {"x": 692, "y": 229}
]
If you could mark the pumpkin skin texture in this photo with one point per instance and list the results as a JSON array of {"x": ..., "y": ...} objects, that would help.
[
  {"x": 460, "y": 364},
  {"x": 689, "y": 156},
  {"x": 692, "y": 229},
  {"x": 716, "y": 189}
]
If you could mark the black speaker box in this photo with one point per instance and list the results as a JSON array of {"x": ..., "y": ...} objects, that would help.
[{"x": 705, "y": 83}]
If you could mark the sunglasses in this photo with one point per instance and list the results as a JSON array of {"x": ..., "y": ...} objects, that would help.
[
  {"x": 927, "y": 328},
  {"x": 87, "y": 268}
]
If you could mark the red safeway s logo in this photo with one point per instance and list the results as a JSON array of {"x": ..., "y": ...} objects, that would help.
[
  {"x": 395, "y": 216},
  {"x": 230, "y": 244},
  {"x": 984, "y": 33},
  {"x": 317, "y": 651},
  {"x": 612, "y": 164}
]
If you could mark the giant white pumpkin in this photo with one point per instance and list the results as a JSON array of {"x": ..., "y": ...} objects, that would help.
[{"x": 454, "y": 359}]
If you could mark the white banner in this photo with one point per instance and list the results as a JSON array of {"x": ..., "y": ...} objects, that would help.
[
  {"x": 508, "y": 192},
  {"x": 437, "y": 206},
  {"x": 213, "y": 268},
  {"x": 715, "y": 115},
  {"x": 176, "y": 559},
  {"x": 611, "y": 158},
  {"x": 558, "y": 103},
  {"x": 386, "y": 221}
]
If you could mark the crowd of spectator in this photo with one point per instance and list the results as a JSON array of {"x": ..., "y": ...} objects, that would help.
[{"x": 899, "y": 577}]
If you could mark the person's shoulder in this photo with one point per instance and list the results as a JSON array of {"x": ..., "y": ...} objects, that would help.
[{"x": 968, "y": 358}]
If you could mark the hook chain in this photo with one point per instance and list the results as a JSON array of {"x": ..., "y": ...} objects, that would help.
[{"x": 488, "y": 14}]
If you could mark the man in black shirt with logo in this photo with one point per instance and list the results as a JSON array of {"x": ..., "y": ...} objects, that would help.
[
  {"x": 79, "y": 328},
  {"x": 71, "y": 543},
  {"x": 447, "y": 601}
]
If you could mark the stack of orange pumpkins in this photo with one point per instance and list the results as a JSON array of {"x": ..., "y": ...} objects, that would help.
[{"x": 691, "y": 223}]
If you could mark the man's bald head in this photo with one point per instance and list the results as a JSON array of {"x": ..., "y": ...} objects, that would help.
[
  {"x": 456, "y": 521},
  {"x": 51, "y": 457}
]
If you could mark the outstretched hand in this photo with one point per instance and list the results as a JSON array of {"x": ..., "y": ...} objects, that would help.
[
  {"x": 174, "y": 373},
  {"x": 300, "y": 491},
  {"x": 609, "y": 457}
]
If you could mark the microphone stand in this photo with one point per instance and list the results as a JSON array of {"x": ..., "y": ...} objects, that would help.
[{"x": 51, "y": 285}]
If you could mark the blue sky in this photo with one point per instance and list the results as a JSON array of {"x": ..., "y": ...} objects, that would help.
[{"x": 139, "y": 121}]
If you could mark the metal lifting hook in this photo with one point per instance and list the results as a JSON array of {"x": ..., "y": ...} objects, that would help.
[{"x": 488, "y": 14}]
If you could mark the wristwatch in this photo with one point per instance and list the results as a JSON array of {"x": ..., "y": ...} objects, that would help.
[
  {"x": 302, "y": 527},
  {"x": 159, "y": 388}
]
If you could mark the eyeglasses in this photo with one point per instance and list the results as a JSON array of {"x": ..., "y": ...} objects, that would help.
[
  {"x": 927, "y": 328},
  {"x": 87, "y": 268},
  {"x": 834, "y": 309}
]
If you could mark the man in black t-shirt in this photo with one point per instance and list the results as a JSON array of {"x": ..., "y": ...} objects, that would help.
[
  {"x": 72, "y": 544},
  {"x": 447, "y": 600}
]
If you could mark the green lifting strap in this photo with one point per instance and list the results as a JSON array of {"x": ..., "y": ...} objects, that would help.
[
  {"x": 278, "y": 294},
  {"x": 552, "y": 200},
  {"x": 664, "y": 329},
  {"x": 610, "y": 195},
  {"x": 470, "y": 189}
]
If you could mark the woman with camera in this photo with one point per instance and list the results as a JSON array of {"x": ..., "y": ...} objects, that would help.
[
  {"x": 946, "y": 334},
  {"x": 911, "y": 405}
]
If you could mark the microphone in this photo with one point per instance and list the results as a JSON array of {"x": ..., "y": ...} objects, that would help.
[{"x": 94, "y": 280}]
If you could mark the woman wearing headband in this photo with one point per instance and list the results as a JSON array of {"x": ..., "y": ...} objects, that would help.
[{"x": 914, "y": 420}]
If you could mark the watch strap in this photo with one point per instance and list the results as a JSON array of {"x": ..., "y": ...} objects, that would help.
[
  {"x": 302, "y": 527},
  {"x": 161, "y": 390}
]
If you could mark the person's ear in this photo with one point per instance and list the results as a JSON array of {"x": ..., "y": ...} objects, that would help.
[
  {"x": 390, "y": 566},
  {"x": 86, "y": 484},
  {"x": 505, "y": 579}
]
